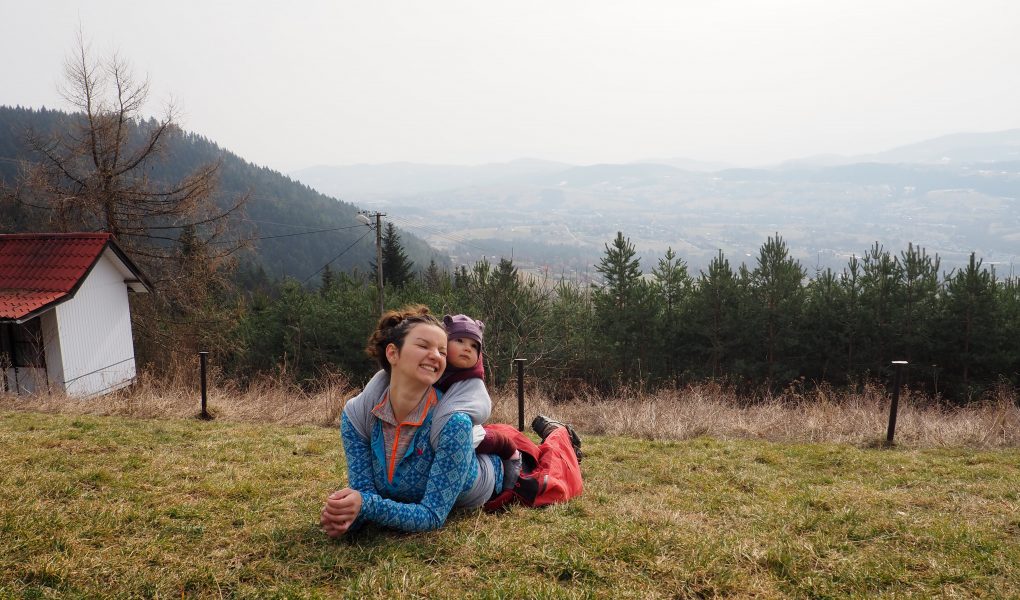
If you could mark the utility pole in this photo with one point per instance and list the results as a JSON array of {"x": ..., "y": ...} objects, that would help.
[
  {"x": 363, "y": 218},
  {"x": 378, "y": 259}
]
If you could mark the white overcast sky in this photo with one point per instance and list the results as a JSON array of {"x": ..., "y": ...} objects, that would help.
[{"x": 290, "y": 85}]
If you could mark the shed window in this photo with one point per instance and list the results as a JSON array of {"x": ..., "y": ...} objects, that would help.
[{"x": 21, "y": 345}]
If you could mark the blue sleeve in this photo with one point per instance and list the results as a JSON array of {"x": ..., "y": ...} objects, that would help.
[
  {"x": 453, "y": 465},
  {"x": 358, "y": 454}
]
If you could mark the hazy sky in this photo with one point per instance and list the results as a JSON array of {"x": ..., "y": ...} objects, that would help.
[{"x": 290, "y": 85}]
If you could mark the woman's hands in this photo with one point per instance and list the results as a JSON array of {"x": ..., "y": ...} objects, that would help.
[{"x": 340, "y": 510}]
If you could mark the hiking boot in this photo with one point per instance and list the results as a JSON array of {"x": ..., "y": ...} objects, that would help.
[{"x": 543, "y": 426}]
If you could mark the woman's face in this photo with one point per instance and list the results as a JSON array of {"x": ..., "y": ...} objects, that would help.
[
  {"x": 463, "y": 353},
  {"x": 423, "y": 356}
]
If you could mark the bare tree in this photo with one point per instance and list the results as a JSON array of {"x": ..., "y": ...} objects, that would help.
[
  {"x": 104, "y": 168},
  {"x": 100, "y": 171}
]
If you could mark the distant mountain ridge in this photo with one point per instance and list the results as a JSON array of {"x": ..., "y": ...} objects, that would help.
[
  {"x": 957, "y": 148},
  {"x": 401, "y": 179},
  {"x": 951, "y": 149},
  {"x": 405, "y": 177}
]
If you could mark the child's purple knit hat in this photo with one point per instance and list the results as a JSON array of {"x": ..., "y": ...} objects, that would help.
[{"x": 463, "y": 326}]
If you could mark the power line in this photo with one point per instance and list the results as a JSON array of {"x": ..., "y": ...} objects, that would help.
[
  {"x": 336, "y": 257},
  {"x": 248, "y": 220},
  {"x": 283, "y": 235}
]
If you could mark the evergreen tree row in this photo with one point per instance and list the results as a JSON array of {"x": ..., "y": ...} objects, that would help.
[{"x": 756, "y": 327}]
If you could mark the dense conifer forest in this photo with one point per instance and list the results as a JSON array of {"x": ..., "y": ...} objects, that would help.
[{"x": 764, "y": 326}]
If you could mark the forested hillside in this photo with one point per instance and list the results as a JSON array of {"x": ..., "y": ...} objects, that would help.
[{"x": 276, "y": 206}]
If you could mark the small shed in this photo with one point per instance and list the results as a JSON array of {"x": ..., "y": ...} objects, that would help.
[{"x": 65, "y": 323}]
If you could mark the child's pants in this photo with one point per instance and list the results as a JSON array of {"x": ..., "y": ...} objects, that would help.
[{"x": 550, "y": 473}]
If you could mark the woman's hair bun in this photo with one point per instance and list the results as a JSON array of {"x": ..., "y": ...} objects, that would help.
[{"x": 393, "y": 327}]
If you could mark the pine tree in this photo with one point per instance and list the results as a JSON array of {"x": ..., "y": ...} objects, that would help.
[
  {"x": 461, "y": 278},
  {"x": 715, "y": 318},
  {"x": 850, "y": 283},
  {"x": 397, "y": 267},
  {"x": 824, "y": 335},
  {"x": 509, "y": 325},
  {"x": 880, "y": 300},
  {"x": 919, "y": 283},
  {"x": 622, "y": 309},
  {"x": 672, "y": 289},
  {"x": 328, "y": 281},
  {"x": 970, "y": 327},
  {"x": 672, "y": 283},
  {"x": 621, "y": 273},
  {"x": 1008, "y": 301},
  {"x": 779, "y": 296},
  {"x": 435, "y": 280},
  {"x": 571, "y": 323}
]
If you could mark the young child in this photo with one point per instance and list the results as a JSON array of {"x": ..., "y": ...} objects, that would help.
[{"x": 464, "y": 364}]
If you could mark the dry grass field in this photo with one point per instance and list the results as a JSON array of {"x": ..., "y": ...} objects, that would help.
[
  {"x": 819, "y": 415},
  {"x": 115, "y": 507},
  {"x": 688, "y": 494}
]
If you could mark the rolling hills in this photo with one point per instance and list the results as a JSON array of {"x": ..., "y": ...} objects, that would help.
[{"x": 952, "y": 195}]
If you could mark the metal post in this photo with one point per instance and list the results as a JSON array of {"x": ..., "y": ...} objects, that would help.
[
  {"x": 202, "y": 357},
  {"x": 520, "y": 393},
  {"x": 894, "y": 407},
  {"x": 378, "y": 260}
]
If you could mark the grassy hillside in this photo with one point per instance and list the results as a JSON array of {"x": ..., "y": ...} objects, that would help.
[{"x": 111, "y": 506}]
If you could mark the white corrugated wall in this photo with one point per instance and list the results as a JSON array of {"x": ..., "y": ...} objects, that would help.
[{"x": 95, "y": 334}]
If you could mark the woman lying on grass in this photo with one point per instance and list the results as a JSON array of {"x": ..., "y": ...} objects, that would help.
[
  {"x": 410, "y": 451},
  {"x": 410, "y": 456}
]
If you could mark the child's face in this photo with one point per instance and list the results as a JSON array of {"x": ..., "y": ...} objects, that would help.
[{"x": 462, "y": 353}]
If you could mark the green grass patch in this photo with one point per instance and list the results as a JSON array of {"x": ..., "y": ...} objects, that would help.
[{"x": 113, "y": 507}]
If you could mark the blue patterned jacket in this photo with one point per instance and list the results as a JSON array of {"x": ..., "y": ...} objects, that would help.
[{"x": 426, "y": 481}]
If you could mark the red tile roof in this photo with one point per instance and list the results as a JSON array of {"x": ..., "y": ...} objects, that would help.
[
  {"x": 15, "y": 304},
  {"x": 38, "y": 270}
]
